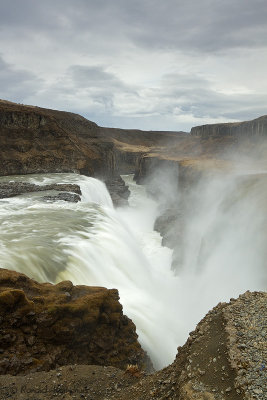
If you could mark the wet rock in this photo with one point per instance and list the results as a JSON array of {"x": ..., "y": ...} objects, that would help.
[
  {"x": 119, "y": 192},
  {"x": 11, "y": 189},
  {"x": 71, "y": 197}
]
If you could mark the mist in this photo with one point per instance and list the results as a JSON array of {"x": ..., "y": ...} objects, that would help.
[{"x": 217, "y": 228}]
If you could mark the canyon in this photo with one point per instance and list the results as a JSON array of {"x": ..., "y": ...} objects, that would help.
[{"x": 225, "y": 356}]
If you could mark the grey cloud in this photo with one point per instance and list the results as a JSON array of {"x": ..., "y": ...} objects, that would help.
[
  {"x": 116, "y": 28},
  {"x": 190, "y": 25},
  {"x": 17, "y": 84},
  {"x": 193, "y": 95},
  {"x": 88, "y": 90},
  {"x": 93, "y": 76},
  {"x": 200, "y": 25}
]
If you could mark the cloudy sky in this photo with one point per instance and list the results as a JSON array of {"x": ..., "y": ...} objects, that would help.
[{"x": 149, "y": 64}]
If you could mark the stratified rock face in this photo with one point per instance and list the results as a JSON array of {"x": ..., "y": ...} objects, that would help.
[
  {"x": 43, "y": 326},
  {"x": 34, "y": 140},
  {"x": 254, "y": 128}
]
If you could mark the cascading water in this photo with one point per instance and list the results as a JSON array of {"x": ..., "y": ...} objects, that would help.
[{"x": 92, "y": 243}]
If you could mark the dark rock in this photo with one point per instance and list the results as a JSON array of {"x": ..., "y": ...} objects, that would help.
[
  {"x": 11, "y": 189},
  {"x": 71, "y": 197},
  {"x": 119, "y": 192}
]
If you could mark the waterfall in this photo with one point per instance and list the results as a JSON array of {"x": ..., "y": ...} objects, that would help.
[{"x": 94, "y": 244}]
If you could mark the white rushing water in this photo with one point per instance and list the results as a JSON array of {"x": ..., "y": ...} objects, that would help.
[{"x": 92, "y": 243}]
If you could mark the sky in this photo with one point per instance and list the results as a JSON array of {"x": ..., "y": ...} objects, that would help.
[{"x": 146, "y": 64}]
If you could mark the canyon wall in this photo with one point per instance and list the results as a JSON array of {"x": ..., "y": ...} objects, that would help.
[
  {"x": 35, "y": 140},
  {"x": 254, "y": 128}
]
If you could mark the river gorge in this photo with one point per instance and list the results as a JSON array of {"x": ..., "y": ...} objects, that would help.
[{"x": 172, "y": 224}]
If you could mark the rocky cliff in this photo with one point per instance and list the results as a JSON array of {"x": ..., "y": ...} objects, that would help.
[
  {"x": 254, "y": 128},
  {"x": 44, "y": 326},
  {"x": 36, "y": 140}
]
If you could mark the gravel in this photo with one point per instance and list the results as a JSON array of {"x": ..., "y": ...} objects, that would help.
[{"x": 247, "y": 328}]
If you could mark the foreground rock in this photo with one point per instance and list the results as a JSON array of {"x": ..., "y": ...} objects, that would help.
[
  {"x": 65, "y": 383},
  {"x": 44, "y": 326},
  {"x": 224, "y": 358}
]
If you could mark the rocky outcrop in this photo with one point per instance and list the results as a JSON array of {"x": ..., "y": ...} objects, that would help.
[
  {"x": 63, "y": 196},
  {"x": 11, "y": 189},
  {"x": 119, "y": 192},
  {"x": 44, "y": 326},
  {"x": 254, "y": 128}
]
